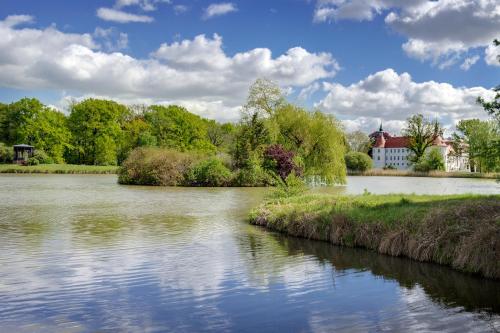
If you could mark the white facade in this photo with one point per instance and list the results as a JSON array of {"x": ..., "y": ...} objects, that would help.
[{"x": 395, "y": 157}]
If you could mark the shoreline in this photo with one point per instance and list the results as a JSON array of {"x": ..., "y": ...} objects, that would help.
[
  {"x": 431, "y": 174},
  {"x": 57, "y": 169},
  {"x": 459, "y": 231}
]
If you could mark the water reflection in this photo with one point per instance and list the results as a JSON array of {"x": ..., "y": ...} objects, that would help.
[{"x": 81, "y": 253}]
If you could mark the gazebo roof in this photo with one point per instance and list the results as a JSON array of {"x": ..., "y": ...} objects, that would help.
[{"x": 23, "y": 146}]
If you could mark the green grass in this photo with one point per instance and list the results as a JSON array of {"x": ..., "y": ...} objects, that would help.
[
  {"x": 438, "y": 174},
  {"x": 462, "y": 231},
  {"x": 58, "y": 168}
]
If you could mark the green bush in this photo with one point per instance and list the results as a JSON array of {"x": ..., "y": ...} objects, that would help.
[
  {"x": 155, "y": 166},
  {"x": 358, "y": 161},
  {"x": 254, "y": 175},
  {"x": 6, "y": 153},
  {"x": 431, "y": 161},
  {"x": 40, "y": 157},
  {"x": 389, "y": 167},
  {"x": 210, "y": 172}
]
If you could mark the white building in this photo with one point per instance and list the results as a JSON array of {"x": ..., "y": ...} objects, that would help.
[{"x": 392, "y": 151}]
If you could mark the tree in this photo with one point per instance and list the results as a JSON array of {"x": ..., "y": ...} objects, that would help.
[
  {"x": 421, "y": 134},
  {"x": 493, "y": 107},
  {"x": 358, "y": 161},
  {"x": 96, "y": 127},
  {"x": 482, "y": 142},
  {"x": 29, "y": 121},
  {"x": 136, "y": 133},
  {"x": 175, "y": 127},
  {"x": 264, "y": 97},
  {"x": 220, "y": 135},
  {"x": 431, "y": 161},
  {"x": 280, "y": 161},
  {"x": 316, "y": 138},
  {"x": 358, "y": 141}
]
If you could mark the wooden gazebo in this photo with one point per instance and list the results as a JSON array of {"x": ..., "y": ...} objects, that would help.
[{"x": 22, "y": 153}]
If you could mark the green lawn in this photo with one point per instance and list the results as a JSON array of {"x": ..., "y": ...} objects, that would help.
[
  {"x": 58, "y": 168},
  {"x": 462, "y": 231}
]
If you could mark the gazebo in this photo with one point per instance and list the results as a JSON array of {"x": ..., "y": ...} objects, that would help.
[{"x": 22, "y": 153}]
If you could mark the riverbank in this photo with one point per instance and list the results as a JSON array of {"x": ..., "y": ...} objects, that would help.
[
  {"x": 461, "y": 231},
  {"x": 59, "y": 169},
  {"x": 438, "y": 174}
]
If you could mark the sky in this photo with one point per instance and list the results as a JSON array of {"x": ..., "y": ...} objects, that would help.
[{"x": 364, "y": 61}]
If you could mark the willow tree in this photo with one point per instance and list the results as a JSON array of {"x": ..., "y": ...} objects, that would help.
[{"x": 316, "y": 138}]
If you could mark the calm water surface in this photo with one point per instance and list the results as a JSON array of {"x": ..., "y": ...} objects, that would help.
[{"x": 83, "y": 254}]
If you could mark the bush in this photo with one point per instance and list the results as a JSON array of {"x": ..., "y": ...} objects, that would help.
[
  {"x": 389, "y": 167},
  {"x": 210, "y": 172},
  {"x": 358, "y": 161},
  {"x": 432, "y": 161},
  {"x": 253, "y": 175},
  {"x": 155, "y": 166},
  {"x": 6, "y": 153},
  {"x": 291, "y": 186},
  {"x": 40, "y": 157},
  {"x": 280, "y": 161}
]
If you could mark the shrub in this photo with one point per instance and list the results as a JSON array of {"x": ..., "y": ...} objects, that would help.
[
  {"x": 358, "y": 161},
  {"x": 431, "y": 161},
  {"x": 253, "y": 175},
  {"x": 291, "y": 186},
  {"x": 155, "y": 166},
  {"x": 6, "y": 153},
  {"x": 210, "y": 172},
  {"x": 40, "y": 157},
  {"x": 280, "y": 161},
  {"x": 389, "y": 167}
]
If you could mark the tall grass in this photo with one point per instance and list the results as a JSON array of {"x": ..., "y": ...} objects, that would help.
[
  {"x": 460, "y": 231},
  {"x": 409, "y": 173}
]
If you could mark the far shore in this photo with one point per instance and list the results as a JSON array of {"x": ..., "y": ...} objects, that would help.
[
  {"x": 59, "y": 169},
  {"x": 438, "y": 174}
]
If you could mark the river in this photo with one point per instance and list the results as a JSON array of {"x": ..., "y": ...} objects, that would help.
[{"x": 80, "y": 253}]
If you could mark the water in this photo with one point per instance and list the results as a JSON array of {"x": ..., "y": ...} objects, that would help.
[{"x": 83, "y": 254}]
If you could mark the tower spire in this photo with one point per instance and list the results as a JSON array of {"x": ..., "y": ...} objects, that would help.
[{"x": 381, "y": 130}]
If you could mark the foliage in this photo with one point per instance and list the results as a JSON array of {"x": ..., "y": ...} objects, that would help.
[
  {"x": 431, "y": 161},
  {"x": 358, "y": 161},
  {"x": 253, "y": 174},
  {"x": 96, "y": 127},
  {"x": 251, "y": 137},
  {"x": 289, "y": 187},
  {"x": 29, "y": 121},
  {"x": 482, "y": 139},
  {"x": 174, "y": 127},
  {"x": 220, "y": 135},
  {"x": 421, "y": 133},
  {"x": 40, "y": 157},
  {"x": 58, "y": 168},
  {"x": 264, "y": 97},
  {"x": 316, "y": 138},
  {"x": 155, "y": 166},
  {"x": 358, "y": 141},
  {"x": 389, "y": 167},
  {"x": 136, "y": 133},
  {"x": 209, "y": 172},
  {"x": 6, "y": 153},
  {"x": 280, "y": 161}
]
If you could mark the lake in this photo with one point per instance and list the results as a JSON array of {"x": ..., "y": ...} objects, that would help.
[{"x": 80, "y": 253}]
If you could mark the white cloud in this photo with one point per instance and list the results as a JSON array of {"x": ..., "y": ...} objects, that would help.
[
  {"x": 492, "y": 55},
  {"x": 392, "y": 97},
  {"x": 111, "y": 39},
  {"x": 469, "y": 62},
  {"x": 194, "y": 71},
  {"x": 180, "y": 9},
  {"x": 438, "y": 31},
  {"x": 307, "y": 92},
  {"x": 119, "y": 16},
  {"x": 146, "y": 5},
  {"x": 218, "y": 9}
]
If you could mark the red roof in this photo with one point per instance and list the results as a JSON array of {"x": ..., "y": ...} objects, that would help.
[{"x": 397, "y": 142}]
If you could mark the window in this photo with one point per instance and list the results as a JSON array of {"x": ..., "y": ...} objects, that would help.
[{"x": 378, "y": 158}]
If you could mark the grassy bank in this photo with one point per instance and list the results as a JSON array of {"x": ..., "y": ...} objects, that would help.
[
  {"x": 58, "y": 168},
  {"x": 460, "y": 231},
  {"x": 441, "y": 174}
]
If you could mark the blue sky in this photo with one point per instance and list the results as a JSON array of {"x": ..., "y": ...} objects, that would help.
[{"x": 364, "y": 61}]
